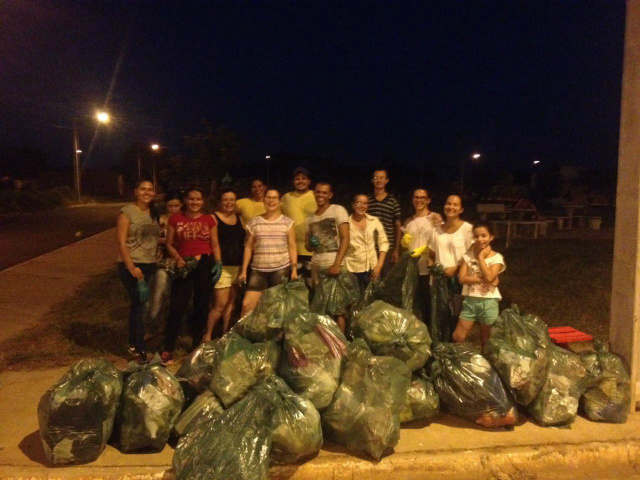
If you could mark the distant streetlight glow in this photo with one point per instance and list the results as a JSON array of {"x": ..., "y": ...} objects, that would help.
[
  {"x": 268, "y": 157},
  {"x": 535, "y": 162},
  {"x": 476, "y": 156},
  {"x": 155, "y": 146},
  {"x": 103, "y": 117},
  {"x": 78, "y": 151}
]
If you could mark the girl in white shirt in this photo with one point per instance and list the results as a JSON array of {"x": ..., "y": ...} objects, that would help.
[
  {"x": 479, "y": 276},
  {"x": 365, "y": 234}
]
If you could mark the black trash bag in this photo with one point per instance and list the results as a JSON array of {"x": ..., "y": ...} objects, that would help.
[
  {"x": 238, "y": 365},
  {"x": 314, "y": 352},
  {"x": 364, "y": 415},
  {"x": 237, "y": 444},
  {"x": 422, "y": 401},
  {"x": 608, "y": 394},
  {"x": 557, "y": 402},
  {"x": 264, "y": 322},
  {"x": 205, "y": 407},
  {"x": 76, "y": 415},
  {"x": 196, "y": 367},
  {"x": 445, "y": 304},
  {"x": 519, "y": 349},
  {"x": 151, "y": 403},
  {"x": 399, "y": 287},
  {"x": 470, "y": 388},
  {"x": 392, "y": 331},
  {"x": 335, "y": 294},
  {"x": 297, "y": 431}
]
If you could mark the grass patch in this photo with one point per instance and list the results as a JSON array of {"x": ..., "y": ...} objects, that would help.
[{"x": 564, "y": 282}]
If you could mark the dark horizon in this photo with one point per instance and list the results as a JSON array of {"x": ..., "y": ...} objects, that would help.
[{"x": 357, "y": 82}]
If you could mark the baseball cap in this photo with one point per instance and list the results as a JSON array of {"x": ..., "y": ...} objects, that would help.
[{"x": 301, "y": 170}]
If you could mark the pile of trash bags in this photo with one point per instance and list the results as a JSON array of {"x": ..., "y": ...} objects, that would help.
[{"x": 285, "y": 378}]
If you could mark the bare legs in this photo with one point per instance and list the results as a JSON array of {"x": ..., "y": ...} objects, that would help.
[
  {"x": 224, "y": 299},
  {"x": 463, "y": 328}
]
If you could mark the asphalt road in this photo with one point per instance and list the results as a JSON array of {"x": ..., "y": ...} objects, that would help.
[{"x": 27, "y": 235}]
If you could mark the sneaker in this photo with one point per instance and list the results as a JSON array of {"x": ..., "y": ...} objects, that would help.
[
  {"x": 142, "y": 358},
  {"x": 166, "y": 358}
]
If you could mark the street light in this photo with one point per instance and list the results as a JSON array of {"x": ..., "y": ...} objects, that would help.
[
  {"x": 155, "y": 147},
  {"x": 474, "y": 156},
  {"x": 267, "y": 158},
  {"x": 536, "y": 162},
  {"x": 102, "y": 117}
]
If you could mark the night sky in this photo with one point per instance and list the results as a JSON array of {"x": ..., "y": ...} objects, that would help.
[{"x": 422, "y": 82}]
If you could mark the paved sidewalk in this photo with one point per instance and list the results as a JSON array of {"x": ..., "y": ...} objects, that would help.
[{"x": 447, "y": 449}]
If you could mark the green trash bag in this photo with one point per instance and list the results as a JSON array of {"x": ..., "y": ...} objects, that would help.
[
  {"x": 608, "y": 394},
  {"x": 297, "y": 431},
  {"x": 557, "y": 402},
  {"x": 314, "y": 352},
  {"x": 470, "y": 388},
  {"x": 205, "y": 407},
  {"x": 171, "y": 267},
  {"x": 399, "y": 287},
  {"x": 76, "y": 415},
  {"x": 151, "y": 403},
  {"x": 335, "y": 294},
  {"x": 364, "y": 415},
  {"x": 237, "y": 444},
  {"x": 238, "y": 365},
  {"x": 265, "y": 321},
  {"x": 392, "y": 331},
  {"x": 445, "y": 297},
  {"x": 196, "y": 367},
  {"x": 519, "y": 349},
  {"x": 422, "y": 401}
]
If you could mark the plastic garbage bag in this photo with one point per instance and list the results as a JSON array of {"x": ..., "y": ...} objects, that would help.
[
  {"x": 171, "y": 267},
  {"x": 557, "y": 401},
  {"x": 197, "y": 366},
  {"x": 159, "y": 303},
  {"x": 470, "y": 388},
  {"x": 445, "y": 304},
  {"x": 364, "y": 415},
  {"x": 390, "y": 330},
  {"x": 422, "y": 401},
  {"x": 151, "y": 403},
  {"x": 335, "y": 294},
  {"x": 205, "y": 407},
  {"x": 519, "y": 349},
  {"x": 76, "y": 415},
  {"x": 238, "y": 365},
  {"x": 608, "y": 393},
  {"x": 314, "y": 352},
  {"x": 235, "y": 445},
  {"x": 398, "y": 288},
  {"x": 297, "y": 431},
  {"x": 265, "y": 321}
]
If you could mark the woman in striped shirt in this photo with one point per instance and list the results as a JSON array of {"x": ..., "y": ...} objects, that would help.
[{"x": 271, "y": 248}]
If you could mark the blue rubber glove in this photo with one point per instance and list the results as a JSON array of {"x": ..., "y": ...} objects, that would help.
[
  {"x": 144, "y": 293},
  {"x": 216, "y": 271},
  {"x": 314, "y": 241}
]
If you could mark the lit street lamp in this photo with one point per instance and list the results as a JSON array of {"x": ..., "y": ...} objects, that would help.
[
  {"x": 102, "y": 117},
  {"x": 268, "y": 158},
  {"x": 155, "y": 147},
  {"x": 474, "y": 156}
]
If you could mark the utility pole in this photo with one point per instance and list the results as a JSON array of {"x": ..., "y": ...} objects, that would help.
[{"x": 76, "y": 162}]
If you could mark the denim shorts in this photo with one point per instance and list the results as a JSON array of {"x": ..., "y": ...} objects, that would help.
[
  {"x": 260, "y": 281},
  {"x": 481, "y": 310}
]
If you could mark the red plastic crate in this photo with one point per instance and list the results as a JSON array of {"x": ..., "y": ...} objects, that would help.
[{"x": 568, "y": 335}]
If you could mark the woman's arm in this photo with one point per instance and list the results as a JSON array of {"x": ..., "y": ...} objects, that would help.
[
  {"x": 215, "y": 245},
  {"x": 383, "y": 248},
  {"x": 293, "y": 252},
  {"x": 122, "y": 227},
  {"x": 463, "y": 275},
  {"x": 246, "y": 256},
  {"x": 171, "y": 246}
]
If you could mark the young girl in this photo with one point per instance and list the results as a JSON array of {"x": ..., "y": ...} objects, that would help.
[{"x": 479, "y": 277}]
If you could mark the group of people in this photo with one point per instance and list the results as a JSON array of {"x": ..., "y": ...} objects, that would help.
[{"x": 259, "y": 241}]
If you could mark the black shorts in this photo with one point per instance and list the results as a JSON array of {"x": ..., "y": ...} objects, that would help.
[{"x": 260, "y": 281}]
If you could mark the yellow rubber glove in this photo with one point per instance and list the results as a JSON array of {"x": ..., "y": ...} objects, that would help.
[
  {"x": 406, "y": 240},
  {"x": 420, "y": 251}
]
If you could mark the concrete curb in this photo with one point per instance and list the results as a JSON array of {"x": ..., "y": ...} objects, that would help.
[{"x": 595, "y": 460}]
